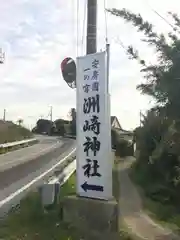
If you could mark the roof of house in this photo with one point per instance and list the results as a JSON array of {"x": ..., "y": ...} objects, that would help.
[
  {"x": 113, "y": 118},
  {"x": 122, "y": 131}
]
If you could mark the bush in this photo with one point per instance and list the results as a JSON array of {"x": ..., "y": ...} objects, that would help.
[
  {"x": 158, "y": 164},
  {"x": 113, "y": 138},
  {"x": 124, "y": 148},
  {"x": 73, "y": 127},
  {"x": 121, "y": 146}
]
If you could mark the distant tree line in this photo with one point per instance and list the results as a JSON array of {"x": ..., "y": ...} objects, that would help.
[{"x": 58, "y": 127}]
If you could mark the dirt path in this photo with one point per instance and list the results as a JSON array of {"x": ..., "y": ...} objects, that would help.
[{"x": 131, "y": 210}]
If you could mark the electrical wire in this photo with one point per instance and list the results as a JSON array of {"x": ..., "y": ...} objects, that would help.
[
  {"x": 105, "y": 17},
  {"x": 163, "y": 18},
  {"x": 84, "y": 21},
  {"x": 174, "y": 28},
  {"x": 73, "y": 23},
  {"x": 77, "y": 28},
  {"x": 118, "y": 40}
]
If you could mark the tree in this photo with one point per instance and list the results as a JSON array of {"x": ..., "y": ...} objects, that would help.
[
  {"x": 59, "y": 123},
  {"x": 73, "y": 122},
  {"x": 44, "y": 126},
  {"x": 159, "y": 138},
  {"x": 20, "y": 121},
  {"x": 73, "y": 114},
  {"x": 163, "y": 81}
]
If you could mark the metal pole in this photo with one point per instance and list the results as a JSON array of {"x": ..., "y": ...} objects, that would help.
[
  {"x": 4, "y": 117},
  {"x": 108, "y": 61},
  {"x": 51, "y": 114},
  {"x": 91, "y": 45},
  {"x": 2, "y": 56}
]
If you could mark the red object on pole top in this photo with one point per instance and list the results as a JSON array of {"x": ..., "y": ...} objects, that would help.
[
  {"x": 64, "y": 62},
  {"x": 68, "y": 68}
]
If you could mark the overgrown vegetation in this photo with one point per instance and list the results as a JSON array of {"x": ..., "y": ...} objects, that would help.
[
  {"x": 157, "y": 168},
  {"x": 31, "y": 222},
  {"x": 121, "y": 146},
  {"x": 10, "y": 132}
]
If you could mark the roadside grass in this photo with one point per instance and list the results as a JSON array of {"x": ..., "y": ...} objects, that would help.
[
  {"x": 115, "y": 180},
  {"x": 31, "y": 222},
  {"x": 123, "y": 231},
  {"x": 164, "y": 214},
  {"x": 10, "y": 132}
]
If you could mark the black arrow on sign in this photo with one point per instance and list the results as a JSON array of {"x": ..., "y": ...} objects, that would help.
[{"x": 85, "y": 186}]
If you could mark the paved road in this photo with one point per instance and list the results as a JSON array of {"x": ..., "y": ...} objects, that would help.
[
  {"x": 45, "y": 145},
  {"x": 19, "y": 171}
]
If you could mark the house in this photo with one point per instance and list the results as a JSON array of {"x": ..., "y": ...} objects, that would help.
[
  {"x": 127, "y": 135},
  {"x": 115, "y": 123}
]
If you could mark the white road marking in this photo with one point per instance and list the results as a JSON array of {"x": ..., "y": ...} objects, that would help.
[
  {"x": 38, "y": 154},
  {"x": 67, "y": 172},
  {"x": 25, "y": 187}
]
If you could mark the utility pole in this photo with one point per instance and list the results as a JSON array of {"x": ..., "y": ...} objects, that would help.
[
  {"x": 51, "y": 113},
  {"x": 2, "y": 56},
  {"x": 91, "y": 42},
  {"x": 4, "y": 115},
  {"x": 99, "y": 189}
]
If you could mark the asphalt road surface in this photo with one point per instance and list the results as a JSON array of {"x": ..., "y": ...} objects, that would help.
[
  {"x": 19, "y": 168},
  {"x": 14, "y": 158}
]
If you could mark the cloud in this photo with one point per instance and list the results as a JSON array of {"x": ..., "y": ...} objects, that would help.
[{"x": 37, "y": 35}]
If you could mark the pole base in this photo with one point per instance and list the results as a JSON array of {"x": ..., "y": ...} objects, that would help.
[{"x": 93, "y": 219}]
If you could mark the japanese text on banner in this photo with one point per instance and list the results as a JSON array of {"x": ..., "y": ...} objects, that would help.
[{"x": 91, "y": 104}]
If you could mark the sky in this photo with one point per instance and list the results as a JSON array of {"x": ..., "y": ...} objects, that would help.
[{"x": 36, "y": 35}]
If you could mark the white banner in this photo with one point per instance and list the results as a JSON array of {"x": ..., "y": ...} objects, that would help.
[{"x": 94, "y": 161}]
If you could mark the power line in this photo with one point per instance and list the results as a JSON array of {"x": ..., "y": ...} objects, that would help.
[
  {"x": 84, "y": 20},
  {"x": 118, "y": 40},
  {"x": 163, "y": 18},
  {"x": 105, "y": 16},
  {"x": 73, "y": 4},
  {"x": 77, "y": 27},
  {"x": 4, "y": 115}
]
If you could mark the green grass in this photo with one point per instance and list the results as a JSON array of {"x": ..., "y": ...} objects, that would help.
[
  {"x": 123, "y": 232},
  {"x": 10, "y": 132},
  {"x": 115, "y": 182},
  {"x": 30, "y": 222},
  {"x": 164, "y": 214}
]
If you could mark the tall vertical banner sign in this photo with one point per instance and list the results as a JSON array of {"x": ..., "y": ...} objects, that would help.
[{"x": 94, "y": 161}]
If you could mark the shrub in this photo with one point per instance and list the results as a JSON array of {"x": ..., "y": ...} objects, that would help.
[
  {"x": 113, "y": 138},
  {"x": 124, "y": 148}
]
